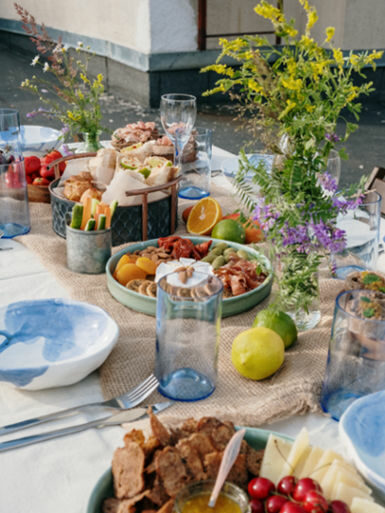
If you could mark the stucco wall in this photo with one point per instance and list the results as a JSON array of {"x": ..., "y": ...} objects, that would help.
[{"x": 166, "y": 26}]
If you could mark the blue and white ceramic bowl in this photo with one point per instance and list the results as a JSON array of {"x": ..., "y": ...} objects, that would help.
[
  {"x": 53, "y": 342},
  {"x": 39, "y": 139},
  {"x": 362, "y": 430}
]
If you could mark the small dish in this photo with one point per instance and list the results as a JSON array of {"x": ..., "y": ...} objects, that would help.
[
  {"x": 361, "y": 429},
  {"x": 39, "y": 139},
  {"x": 53, "y": 342},
  {"x": 230, "y": 306}
]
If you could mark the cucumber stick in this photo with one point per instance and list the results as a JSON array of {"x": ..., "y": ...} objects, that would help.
[
  {"x": 90, "y": 225},
  {"x": 113, "y": 206},
  {"x": 77, "y": 215},
  {"x": 101, "y": 222}
]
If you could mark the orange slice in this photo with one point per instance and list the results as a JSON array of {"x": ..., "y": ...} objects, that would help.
[{"x": 204, "y": 216}]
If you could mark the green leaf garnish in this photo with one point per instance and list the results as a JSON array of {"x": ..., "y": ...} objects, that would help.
[
  {"x": 370, "y": 278},
  {"x": 369, "y": 312},
  {"x": 364, "y": 298}
]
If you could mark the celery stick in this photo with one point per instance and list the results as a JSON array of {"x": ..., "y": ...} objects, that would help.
[
  {"x": 94, "y": 203},
  {"x": 77, "y": 214}
]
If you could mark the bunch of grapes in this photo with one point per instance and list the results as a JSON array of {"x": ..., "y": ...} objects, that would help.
[{"x": 291, "y": 496}]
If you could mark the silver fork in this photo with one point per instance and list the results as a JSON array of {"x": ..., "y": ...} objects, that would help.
[{"x": 123, "y": 402}]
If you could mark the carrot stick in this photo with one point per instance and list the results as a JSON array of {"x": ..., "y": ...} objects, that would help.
[
  {"x": 86, "y": 212},
  {"x": 107, "y": 212},
  {"x": 99, "y": 210}
]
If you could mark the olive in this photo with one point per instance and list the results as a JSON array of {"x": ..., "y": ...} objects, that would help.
[
  {"x": 220, "y": 248},
  {"x": 243, "y": 254},
  {"x": 210, "y": 257},
  {"x": 218, "y": 262},
  {"x": 229, "y": 251}
]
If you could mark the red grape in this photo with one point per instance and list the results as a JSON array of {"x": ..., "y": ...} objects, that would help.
[
  {"x": 257, "y": 506},
  {"x": 339, "y": 507},
  {"x": 292, "y": 507},
  {"x": 260, "y": 488},
  {"x": 274, "y": 503},
  {"x": 286, "y": 485},
  {"x": 314, "y": 502},
  {"x": 303, "y": 486}
]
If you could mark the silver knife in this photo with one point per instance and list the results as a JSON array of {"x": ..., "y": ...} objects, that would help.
[{"x": 112, "y": 420}]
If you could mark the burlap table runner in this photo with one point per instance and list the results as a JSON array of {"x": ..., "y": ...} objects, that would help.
[{"x": 292, "y": 390}]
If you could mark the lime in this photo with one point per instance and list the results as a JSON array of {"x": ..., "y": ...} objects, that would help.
[
  {"x": 279, "y": 322},
  {"x": 229, "y": 229},
  {"x": 257, "y": 353}
]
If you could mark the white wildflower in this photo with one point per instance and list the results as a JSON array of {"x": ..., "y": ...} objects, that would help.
[
  {"x": 46, "y": 67},
  {"x": 35, "y": 60},
  {"x": 80, "y": 44}
]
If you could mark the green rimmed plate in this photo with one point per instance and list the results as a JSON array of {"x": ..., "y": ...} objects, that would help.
[
  {"x": 103, "y": 489},
  {"x": 147, "y": 305}
]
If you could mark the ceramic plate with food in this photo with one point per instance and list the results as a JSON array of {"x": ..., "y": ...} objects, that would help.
[
  {"x": 245, "y": 273},
  {"x": 150, "y": 473}
]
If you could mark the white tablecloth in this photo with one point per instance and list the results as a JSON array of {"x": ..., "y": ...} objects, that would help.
[{"x": 58, "y": 475}]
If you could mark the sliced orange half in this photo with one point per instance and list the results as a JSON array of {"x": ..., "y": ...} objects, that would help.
[{"x": 204, "y": 216}]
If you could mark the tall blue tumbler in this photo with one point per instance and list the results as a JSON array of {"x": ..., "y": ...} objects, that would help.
[{"x": 187, "y": 335}]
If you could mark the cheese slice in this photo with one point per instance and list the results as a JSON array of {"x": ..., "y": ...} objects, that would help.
[
  {"x": 346, "y": 493},
  {"x": 323, "y": 464},
  {"x": 312, "y": 462},
  {"x": 301, "y": 443},
  {"x": 276, "y": 453},
  {"x": 302, "y": 462},
  {"x": 360, "y": 505}
]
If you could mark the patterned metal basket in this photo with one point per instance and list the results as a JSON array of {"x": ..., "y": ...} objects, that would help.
[{"x": 149, "y": 220}]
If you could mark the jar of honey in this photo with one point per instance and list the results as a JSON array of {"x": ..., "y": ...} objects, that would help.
[{"x": 194, "y": 498}]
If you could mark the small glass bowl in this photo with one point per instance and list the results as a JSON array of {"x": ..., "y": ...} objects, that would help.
[{"x": 229, "y": 490}]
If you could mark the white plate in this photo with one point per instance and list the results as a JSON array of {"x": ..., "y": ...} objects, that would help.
[
  {"x": 362, "y": 430},
  {"x": 230, "y": 165},
  {"x": 39, "y": 139},
  {"x": 53, "y": 342}
]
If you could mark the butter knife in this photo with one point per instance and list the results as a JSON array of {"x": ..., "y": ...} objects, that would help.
[{"x": 112, "y": 420}]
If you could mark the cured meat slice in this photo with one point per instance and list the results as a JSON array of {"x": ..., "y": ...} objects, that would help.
[
  {"x": 127, "y": 470},
  {"x": 157, "y": 494},
  {"x": 254, "y": 460},
  {"x": 193, "y": 461},
  {"x": 159, "y": 431},
  {"x": 172, "y": 470}
]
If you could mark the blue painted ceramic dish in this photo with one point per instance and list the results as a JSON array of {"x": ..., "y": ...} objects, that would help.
[
  {"x": 257, "y": 438},
  {"x": 53, "y": 342},
  {"x": 362, "y": 431},
  {"x": 230, "y": 306},
  {"x": 39, "y": 139}
]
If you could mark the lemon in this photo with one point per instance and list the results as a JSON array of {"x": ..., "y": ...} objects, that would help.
[
  {"x": 279, "y": 322},
  {"x": 229, "y": 229},
  {"x": 257, "y": 353}
]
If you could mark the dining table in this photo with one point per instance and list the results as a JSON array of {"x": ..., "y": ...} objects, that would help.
[{"x": 59, "y": 475}]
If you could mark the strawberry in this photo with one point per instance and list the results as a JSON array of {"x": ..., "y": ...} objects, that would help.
[
  {"x": 31, "y": 164},
  {"x": 29, "y": 179},
  {"x": 50, "y": 157},
  {"x": 47, "y": 173},
  {"x": 41, "y": 181}
]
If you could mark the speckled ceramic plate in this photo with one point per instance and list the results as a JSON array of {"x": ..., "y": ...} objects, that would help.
[
  {"x": 147, "y": 305},
  {"x": 257, "y": 438},
  {"x": 362, "y": 430},
  {"x": 53, "y": 342}
]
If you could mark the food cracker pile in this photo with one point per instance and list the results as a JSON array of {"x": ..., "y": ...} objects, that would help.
[{"x": 148, "y": 474}]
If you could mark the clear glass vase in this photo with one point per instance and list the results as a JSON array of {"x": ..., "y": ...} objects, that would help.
[
  {"x": 90, "y": 142},
  {"x": 298, "y": 289}
]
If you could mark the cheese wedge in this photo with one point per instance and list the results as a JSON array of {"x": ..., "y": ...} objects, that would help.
[
  {"x": 301, "y": 443},
  {"x": 346, "y": 493},
  {"x": 360, "y": 505},
  {"x": 276, "y": 453},
  {"x": 337, "y": 473},
  {"x": 323, "y": 464},
  {"x": 312, "y": 462}
]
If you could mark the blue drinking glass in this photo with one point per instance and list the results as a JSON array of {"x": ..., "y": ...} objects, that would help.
[
  {"x": 356, "y": 358},
  {"x": 187, "y": 335}
]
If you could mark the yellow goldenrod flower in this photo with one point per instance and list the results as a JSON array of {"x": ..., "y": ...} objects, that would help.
[
  {"x": 354, "y": 59},
  {"x": 254, "y": 86},
  {"x": 80, "y": 95},
  {"x": 310, "y": 108},
  {"x": 312, "y": 19},
  {"x": 289, "y": 106},
  {"x": 338, "y": 57},
  {"x": 100, "y": 77},
  {"x": 305, "y": 5},
  {"x": 329, "y": 34},
  {"x": 291, "y": 31},
  {"x": 84, "y": 78},
  {"x": 292, "y": 84}
]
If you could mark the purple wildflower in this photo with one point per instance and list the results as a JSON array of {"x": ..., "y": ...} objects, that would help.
[
  {"x": 327, "y": 182},
  {"x": 332, "y": 137},
  {"x": 347, "y": 204},
  {"x": 65, "y": 150},
  {"x": 65, "y": 129},
  {"x": 328, "y": 237}
]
